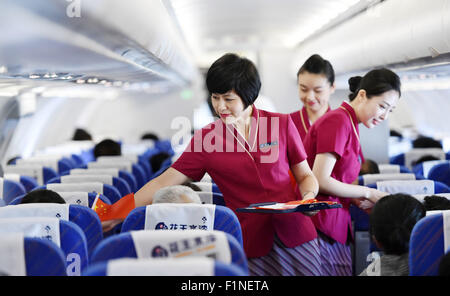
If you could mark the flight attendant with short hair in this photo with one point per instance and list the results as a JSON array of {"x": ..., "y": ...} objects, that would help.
[
  {"x": 248, "y": 153},
  {"x": 333, "y": 148}
]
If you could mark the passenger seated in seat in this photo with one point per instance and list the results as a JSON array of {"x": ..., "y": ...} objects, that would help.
[
  {"x": 157, "y": 160},
  {"x": 176, "y": 194},
  {"x": 81, "y": 135},
  {"x": 444, "y": 265},
  {"x": 369, "y": 167},
  {"x": 42, "y": 196},
  {"x": 426, "y": 142},
  {"x": 107, "y": 147},
  {"x": 391, "y": 222},
  {"x": 436, "y": 202}
]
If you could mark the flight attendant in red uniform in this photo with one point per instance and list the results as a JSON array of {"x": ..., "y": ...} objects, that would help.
[
  {"x": 248, "y": 153},
  {"x": 333, "y": 149},
  {"x": 315, "y": 80}
]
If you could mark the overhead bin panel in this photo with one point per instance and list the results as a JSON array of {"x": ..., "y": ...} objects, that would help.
[
  {"x": 392, "y": 32},
  {"x": 126, "y": 41}
]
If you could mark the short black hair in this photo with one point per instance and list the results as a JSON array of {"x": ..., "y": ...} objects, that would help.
[
  {"x": 426, "y": 142},
  {"x": 157, "y": 160},
  {"x": 369, "y": 167},
  {"x": 150, "y": 136},
  {"x": 81, "y": 135},
  {"x": 375, "y": 82},
  {"x": 317, "y": 65},
  {"x": 234, "y": 73},
  {"x": 392, "y": 220},
  {"x": 436, "y": 202},
  {"x": 107, "y": 147},
  {"x": 444, "y": 265},
  {"x": 42, "y": 196}
]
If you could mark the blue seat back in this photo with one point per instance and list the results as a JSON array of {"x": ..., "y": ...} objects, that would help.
[
  {"x": 43, "y": 258},
  {"x": 122, "y": 246},
  {"x": 28, "y": 182},
  {"x": 220, "y": 269},
  {"x": 426, "y": 246},
  {"x": 224, "y": 220},
  {"x": 440, "y": 173},
  {"x": 109, "y": 191},
  {"x": 11, "y": 190}
]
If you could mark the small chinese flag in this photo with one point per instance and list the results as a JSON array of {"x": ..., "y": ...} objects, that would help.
[{"x": 118, "y": 210}]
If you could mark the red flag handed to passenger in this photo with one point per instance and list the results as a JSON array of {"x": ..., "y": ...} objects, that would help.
[{"x": 118, "y": 210}]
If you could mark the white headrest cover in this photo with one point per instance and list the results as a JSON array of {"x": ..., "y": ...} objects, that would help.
[
  {"x": 177, "y": 244},
  {"x": 12, "y": 259},
  {"x": 180, "y": 216},
  {"x": 405, "y": 186},
  {"x": 198, "y": 266},
  {"x": 51, "y": 210},
  {"x": 104, "y": 179},
  {"x": 85, "y": 187},
  {"x": 373, "y": 178},
  {"x": 76, "y": 198},
  {"x": 46, "y": 228}
]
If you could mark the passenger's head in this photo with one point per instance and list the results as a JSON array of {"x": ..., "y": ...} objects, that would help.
[
  {"x": 436, "y": 202},
  {"x": 192, "y": 186},
  {"x": 107, "y": 147},
  {"x": 374, "y": 96},
  {"x": 176, "y": 194},
  {"x": 150, "y": 136},
  {"x": 315, "y": 80},
  {"x": 234, "y": 84},
  {"x": 157, "y": 160},
  {"x": 42, "y": 196},
  {"x": 81, "y": 135},
  {"x": 426, "y": 142},
  {"x": 424, "y": 158},
  {"x": 369, "y": 167},
  {"x": 392, "y": 220}
]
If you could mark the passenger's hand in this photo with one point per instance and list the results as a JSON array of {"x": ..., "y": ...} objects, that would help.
[
  {"x": 365, "y": 204},
  {"x": 110, "y": 224}
]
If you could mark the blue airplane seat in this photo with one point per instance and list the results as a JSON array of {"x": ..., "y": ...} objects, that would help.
[
  {"x": 122, "y": 245},
  {"x": 11, "y": 190},
  {"x": 426, "y": 246},
  {"x": 224, "y": 220},
  {"x": 101, "y": 269},
  {"x": 440, "y": 173}
]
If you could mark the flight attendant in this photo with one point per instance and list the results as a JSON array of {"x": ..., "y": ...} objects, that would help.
[
  {"x": 315, "y": 80},
  {"x": 248, "y": 153},
  {"x": 333, "y": 148}
]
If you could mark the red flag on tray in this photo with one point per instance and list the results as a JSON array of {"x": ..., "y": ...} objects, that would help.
[{"x": 118, "y": 210}]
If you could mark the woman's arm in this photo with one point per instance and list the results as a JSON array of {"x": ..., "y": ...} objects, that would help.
[
  {"x": 322, "y": 169},
  {"x": 307, "y": 182},
  {"x": 170, "y": 177}
]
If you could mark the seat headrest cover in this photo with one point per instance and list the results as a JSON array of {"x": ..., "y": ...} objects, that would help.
[
  {"x": 41, "y": 227},
  {"x": 1, "y": 187},
  {"x": 204, "y": 186},
  {"x": 12, "y": 259},
  {"x": 35, "y": 171},
  {"x": 76, "y": 198},
  {"x": 12, "y": 177},
  {"x": 206, "y": 197},
  {"x": 107, "y": 171},
  {"x": 177, "y": 244},
  {"x": 121, "y": 165},
  {"x": 174, "y": 216},
  {"x": 389, "y": 168},
  {"x": 407, "y": 186},
  {"x": 104, "y": 179},
  {"x": 373, "y": 178},
  {"x": 421, "y": 197},
  {"x": 198, "y": 266},
  {"x": 51, "y": 210},
  {"x": 85, "y": 187}
]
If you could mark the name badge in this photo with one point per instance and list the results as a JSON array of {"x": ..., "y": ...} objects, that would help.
[{"x": 274, "y": 143}]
